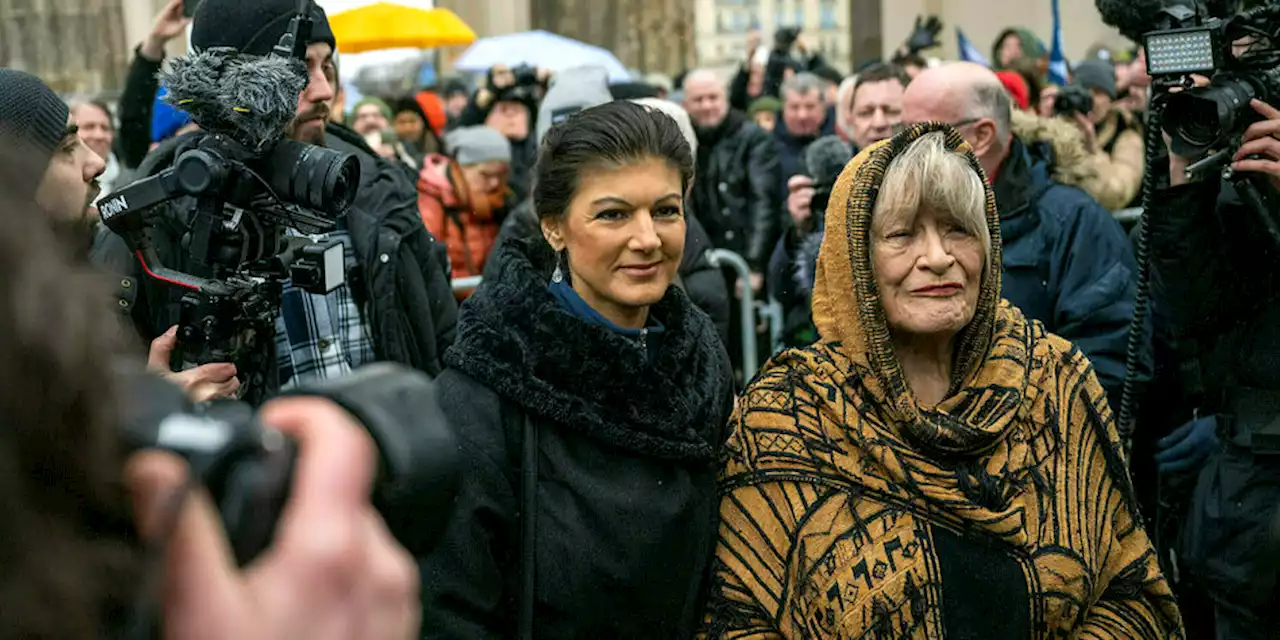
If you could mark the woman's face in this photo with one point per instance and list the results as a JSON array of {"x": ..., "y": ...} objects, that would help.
[
  {"x": 409, "y": 127},
  {"x": 928, "y": 270},
  {"x": 1047, "y": 96},
  {"x": 1010, "y": 49},
  {"x": 623, "y": 236}
]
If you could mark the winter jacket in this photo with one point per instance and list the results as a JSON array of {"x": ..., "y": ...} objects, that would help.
[
  {"x": 401, "y": 283},
  {"x": 701, "y": 280},
  {"x": 1217, "y": 265},
  {"x": 467, "y": 228},
  {"x": 624, "y": 513},
  {"x": 1067, "y": 262},
  {"x": 735, "y": 194}
]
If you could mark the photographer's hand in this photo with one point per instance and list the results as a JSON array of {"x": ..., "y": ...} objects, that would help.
[
  {"x": 169, "y": 24},
  {"x": 1260, "y": 139},
  {"x": 333, "y": 571},
  {"x": 1088, "y": 130},
  {"x": 799, "y": 197},
  {"x": 203, "y": 383}
]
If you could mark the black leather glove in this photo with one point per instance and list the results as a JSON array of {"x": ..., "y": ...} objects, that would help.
[{"x": 925, "y": 34}]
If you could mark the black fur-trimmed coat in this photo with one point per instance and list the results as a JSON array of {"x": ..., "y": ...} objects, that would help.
[{"x": 626, "y": 491}]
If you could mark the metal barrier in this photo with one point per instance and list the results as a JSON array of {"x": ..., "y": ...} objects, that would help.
[
  {"x": 466, "y": 284},
  {"x": 1127, "y": 217},
  {"x": 720, "y": 258}
]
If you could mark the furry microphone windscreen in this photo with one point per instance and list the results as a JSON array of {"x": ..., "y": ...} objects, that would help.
[
  {"x": 251, "y": 99},
  {"x": 825, "y": 159}
]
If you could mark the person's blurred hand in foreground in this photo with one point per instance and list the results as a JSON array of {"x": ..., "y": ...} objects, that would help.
[{"x": 334, "y": 569}]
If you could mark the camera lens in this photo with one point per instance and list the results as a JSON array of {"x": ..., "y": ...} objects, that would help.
[
  {"x": 314, "y": 177},
  {"x": 1198, "y": 119}
]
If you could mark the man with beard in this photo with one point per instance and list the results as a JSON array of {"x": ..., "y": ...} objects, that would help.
[
  {"x": 39, "y": 136},
  {"x": 46, "y": 139},
  {"x": 396, "y": 303}
]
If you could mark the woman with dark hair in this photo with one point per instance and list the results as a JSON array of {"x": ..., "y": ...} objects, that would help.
[{"x": 590, "y": 397}]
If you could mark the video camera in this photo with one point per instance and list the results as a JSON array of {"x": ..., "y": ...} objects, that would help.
[
  {"x": 1240, "y": 54},
  {"x": 785, "y": 38},
  {"x": 250, "y": 184},
  {"x": 1200, "y": 119}
]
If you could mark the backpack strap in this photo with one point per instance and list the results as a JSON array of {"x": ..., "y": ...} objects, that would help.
[{"x": 522, "y": 436}]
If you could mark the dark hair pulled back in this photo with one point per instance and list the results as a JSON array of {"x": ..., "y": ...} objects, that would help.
[{"x": 614, "y": 134}]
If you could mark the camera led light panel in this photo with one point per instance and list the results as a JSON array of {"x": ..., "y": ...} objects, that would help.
[{"x": 1186, "y": 51}]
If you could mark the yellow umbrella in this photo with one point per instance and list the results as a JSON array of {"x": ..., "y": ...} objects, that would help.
[{"x": 384, "y": 25}]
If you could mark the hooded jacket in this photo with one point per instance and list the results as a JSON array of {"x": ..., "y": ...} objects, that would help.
[
  {"x": 402, "y": 281},
  {"x": 626, "y": 445},
  {"x": 456, "y": 217},
  {"x": 851, "y": 510}
]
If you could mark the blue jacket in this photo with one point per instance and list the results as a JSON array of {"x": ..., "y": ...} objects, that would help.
[{"x": 1067, "y": 262}]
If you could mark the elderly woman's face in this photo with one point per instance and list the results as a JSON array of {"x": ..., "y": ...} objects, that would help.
[{"x": 928, "y": 269}]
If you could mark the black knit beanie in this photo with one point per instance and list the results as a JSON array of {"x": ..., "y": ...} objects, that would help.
[
  {"x": 252, "y": 26},
  {"x": 33, "y": 118}
]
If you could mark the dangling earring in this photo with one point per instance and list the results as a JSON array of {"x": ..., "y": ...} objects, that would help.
[{"x": 557, "y": 276}]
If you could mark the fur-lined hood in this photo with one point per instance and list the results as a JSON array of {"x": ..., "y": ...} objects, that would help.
[{"x": 1061, "y": 145}]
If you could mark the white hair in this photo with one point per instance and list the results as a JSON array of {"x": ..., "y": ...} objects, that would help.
[
  {"x": 803, "y": 84},
  {"x": 929, "y": 175},
  {"x": 677, "y": 113}
]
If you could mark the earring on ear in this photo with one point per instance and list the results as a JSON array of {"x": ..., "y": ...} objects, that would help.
[{"x": 557, "y": 276}]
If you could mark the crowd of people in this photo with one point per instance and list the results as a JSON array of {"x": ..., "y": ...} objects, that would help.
[{"x": 931, "y": 449}]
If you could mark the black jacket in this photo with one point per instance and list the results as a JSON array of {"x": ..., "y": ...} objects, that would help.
[
  {"x": 402, "y": 285},
  {"x": 626, "y": 450},
  {"x": 701, "y": 281},
  {"x": 791, "y": 150},
  {"x": 1218, "y": 276},
  {"x": 735, "y": 194}
]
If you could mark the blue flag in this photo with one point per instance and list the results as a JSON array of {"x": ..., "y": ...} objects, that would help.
[
  {"x": 968, "y": 52},
  {"x": 1057, "y": 59}
]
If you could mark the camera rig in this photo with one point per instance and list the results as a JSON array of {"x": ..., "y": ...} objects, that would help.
[
  {"x": 1240, "y": 56},
  {"x": 246, "y": 184}
]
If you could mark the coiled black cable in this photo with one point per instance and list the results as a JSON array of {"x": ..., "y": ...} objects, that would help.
[{"x": 1142, "y": 297}]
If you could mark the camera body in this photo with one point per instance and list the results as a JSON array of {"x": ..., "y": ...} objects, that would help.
[
  {"x": 247, "y": 466},
  {"x": 1073, "y": 99},
  {"x": 1239, "y": 55}
]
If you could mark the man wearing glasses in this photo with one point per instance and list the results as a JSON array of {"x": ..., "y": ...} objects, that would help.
[{"x": 1067, "y": 262}]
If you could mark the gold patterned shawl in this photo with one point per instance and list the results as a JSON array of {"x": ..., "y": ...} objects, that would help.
[{"x": 850, "y": 511}]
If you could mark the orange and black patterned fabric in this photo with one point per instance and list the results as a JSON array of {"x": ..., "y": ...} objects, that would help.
[{"x": 850, "y": 511}]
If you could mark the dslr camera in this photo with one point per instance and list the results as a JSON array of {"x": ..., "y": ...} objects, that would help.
[{"x": 1073, "y": 99}]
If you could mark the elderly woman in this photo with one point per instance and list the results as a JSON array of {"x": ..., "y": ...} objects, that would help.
[{"x": 939, "y": 466}]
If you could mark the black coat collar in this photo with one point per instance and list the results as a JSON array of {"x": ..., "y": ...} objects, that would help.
[{"x": 514, "y": 338}]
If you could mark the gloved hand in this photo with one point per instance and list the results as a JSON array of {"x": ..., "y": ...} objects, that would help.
[
  {"x": 925, "y": 34},
  {"x": 1188, "y": 446}
]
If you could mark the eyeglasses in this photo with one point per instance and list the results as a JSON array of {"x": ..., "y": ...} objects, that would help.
[{"x": 964, "y": 123}]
